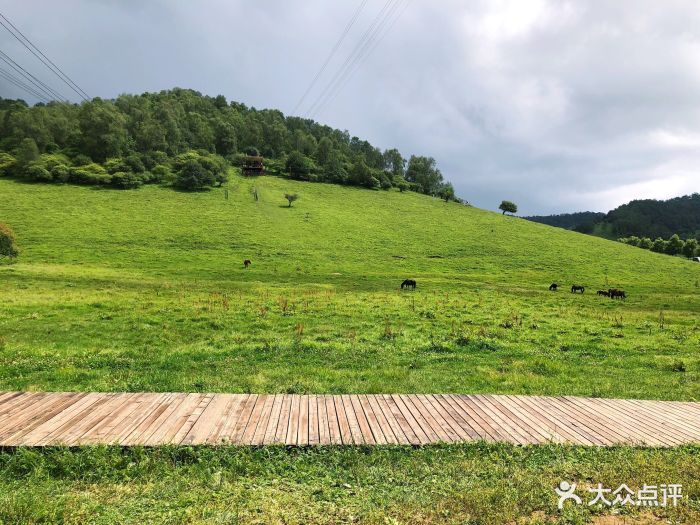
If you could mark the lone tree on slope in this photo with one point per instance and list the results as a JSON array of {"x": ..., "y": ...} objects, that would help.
[
  {"x": 291, "y": 197},
  {"x": 7, "y": 242},
  {"x": 508, "y": 206}
]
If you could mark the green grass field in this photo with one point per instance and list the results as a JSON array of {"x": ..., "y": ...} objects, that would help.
[{"x": 145, "y": 290}]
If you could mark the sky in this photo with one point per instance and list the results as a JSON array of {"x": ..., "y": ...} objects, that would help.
[{"x": 557, "y": 105}]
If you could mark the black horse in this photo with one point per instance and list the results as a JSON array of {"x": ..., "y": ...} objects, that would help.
[
  {"x": 247, "y": 263},
  {"x": 408, "y": 283},
  {"x": 553, "y": 287},
  {"x": 603, "y": 292},
  {"x": 576, "y": 288},
  {"x": 614, "y": 293}
]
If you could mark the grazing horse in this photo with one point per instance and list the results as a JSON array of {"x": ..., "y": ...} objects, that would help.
[
  {"x": 408, "y": 283},
  {"x": 247, "y": 263},
  {"x": 553, "y": 287},
  {"x": 576, "y": 288},
  {"x": 614, "y": 293},
  {"x": 603, "y": 292}
]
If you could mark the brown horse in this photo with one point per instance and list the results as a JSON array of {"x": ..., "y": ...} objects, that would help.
[
  {"x": 408, "y": 283},
  {"x": 247, "y": 263},
  {"x": 614, "y": 293},
  {"x": 576, "y": 288}
]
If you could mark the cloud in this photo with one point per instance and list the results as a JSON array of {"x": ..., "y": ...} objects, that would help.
[{"x": 558, "y": 105}]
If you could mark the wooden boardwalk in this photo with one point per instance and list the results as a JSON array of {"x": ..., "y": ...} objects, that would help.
[{"x": 43, "y": 418}]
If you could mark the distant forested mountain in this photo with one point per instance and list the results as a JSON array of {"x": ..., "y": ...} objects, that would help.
[
  {"x": 188, "y": 139},
  {"x": 583, "y": 220},
  {"x": 639, "y": 218},
  {"x": 655, "y": 218}
]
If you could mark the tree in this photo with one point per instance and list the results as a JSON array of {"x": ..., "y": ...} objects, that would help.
[
  {"x": 690, "y": 247},
  {"x": 27, "y": 152},
  {"x": 659, "y": 245},
  {"x": 7, "y": 242},
  {"x": 447, "y": 192},
  {"x": 674, "y": 246},
  {"x": 291, "y": 197},
  {"x": 361, "y": 175},
  {"x": 394, "y": 163},
  {"x": 193, "y": 177},
  {"x": 646, "y": 243},
  {"x": 298, "y": 166},
  {"x": 508, "y": 206},
  {"x": 422, "y": 171}
]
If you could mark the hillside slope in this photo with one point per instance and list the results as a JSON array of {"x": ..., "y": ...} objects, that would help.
[{"x": 145, "y": 290}]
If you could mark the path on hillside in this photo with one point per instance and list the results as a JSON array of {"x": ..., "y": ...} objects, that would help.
[{"x": 43, "y": 418}]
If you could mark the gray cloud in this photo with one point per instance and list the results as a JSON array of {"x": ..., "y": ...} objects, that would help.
[{"x": 558, "y": 105}]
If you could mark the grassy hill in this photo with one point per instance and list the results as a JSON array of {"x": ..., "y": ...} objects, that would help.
[{"x": 145, "y": 290}]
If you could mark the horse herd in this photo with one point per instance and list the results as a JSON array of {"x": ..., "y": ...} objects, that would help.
[{"x": 613, "y": 293}]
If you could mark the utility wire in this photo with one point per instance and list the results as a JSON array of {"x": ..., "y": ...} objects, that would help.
[
  {"x": 50, "y": 92},
  {"x": 21, "y": 85},
  {"x": 43, "y": 58},
  {"x": 354, "y": 55},
  {"x": 350, "y": 73},
  {"x": 330, "y": 55}
]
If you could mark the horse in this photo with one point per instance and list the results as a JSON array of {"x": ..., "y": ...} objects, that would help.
[
  {"x": 247, "y": 263},
  {"x": 614, "y": 293},
  {"x": 603, "y": 292},
  {"x": 576, "y": 288},
  {"x": 553, "y": 287},
  {"x": 408, "y": 283}
]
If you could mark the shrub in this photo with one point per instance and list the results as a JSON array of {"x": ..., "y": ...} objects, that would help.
[
  {"x": 7, "y": 162},
  {"x": 126, "y": 180},
  {"x": 195, "y": 171},
  {"x": 34, "y": 171},
  {"x": 161, "y": 173},
  {"x": 89, "y": 174},
  {"x": 7, "y": 242}
]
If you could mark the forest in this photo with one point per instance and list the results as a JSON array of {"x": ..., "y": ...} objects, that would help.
[
  {"x": 638, "y": 219},
  {"x": 188, "y": 140}
]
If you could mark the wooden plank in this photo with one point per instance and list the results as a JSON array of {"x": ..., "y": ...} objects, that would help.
[
  {"x": 266, "y": 414},
  {"x": 362, "y": 421},
  {"x": 343, "y": 422},
  {"x": 389, "y": 427},
  {"x": 226, "y": 419},
  {"x": 334, "y": 433},
  {"x": 274, "y": 421},
  {"x": 352, "y": 420},
  {"x": 206, "y": 423},
  {"x": 324, "y": 436},
  {"x": 255, "y": 416},
  {"x": 303, "y": 434},
  {"x": 293, "y": 427},
  {"x": 313, "y": 421},
  {"x": 282, "y": 427},
  {"x": 376, "y": 422}
]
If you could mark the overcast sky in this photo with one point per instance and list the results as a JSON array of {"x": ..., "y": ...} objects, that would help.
[{"x": 556, "y": 105}]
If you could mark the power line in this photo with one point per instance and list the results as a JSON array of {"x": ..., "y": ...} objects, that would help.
[
  {"x": 330, "y": 55},
  {"x": 50, "y": 92},
  {"x": 43, "y": 58},
  {"x": 357, "y": 52},
  {"x": 350, "y": 73},
  {"x": 21, "y": 85}
]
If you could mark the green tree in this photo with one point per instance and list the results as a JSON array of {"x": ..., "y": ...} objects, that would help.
[
  {"x": 298, "y": 166},
  {"x": 674, "y": 246},
  {"x": 7, "y": 163},
  {"x": 690, "y": 247},
  {"x": 394, "y": 163},
  {"x": 659, "y": 245},
  {"x": 361, "y": 175},
  {"x": 8, "y": 247},
  {"x": 291, "y": 197},
  {"x": 646, "y": 243},
  {"x": 191, "y": 176},
  {"x": 447, "y": 192},
  {"x": 103, "y": 131},
  {"x": 508, "y": 206},
  {"x": 422, "y": 171},
  {"x": 27, "y": 152}
]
